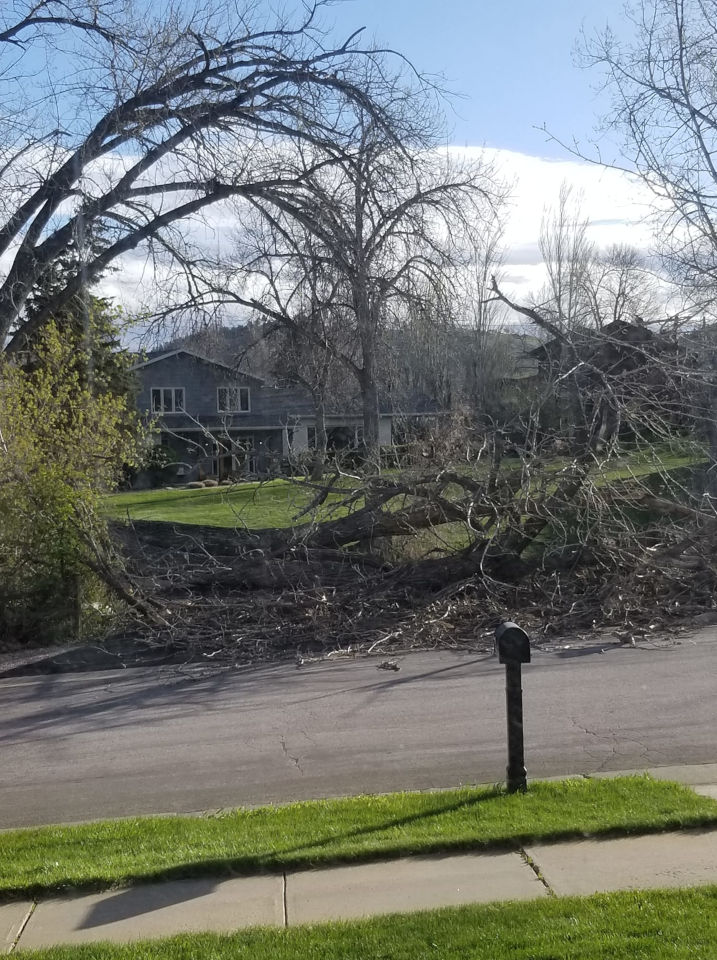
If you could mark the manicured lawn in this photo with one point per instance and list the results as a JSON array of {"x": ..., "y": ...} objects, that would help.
[
  {"x": 655, "y": 925},
  {"x": 97, "y": 855},
  {"x": 273, "y": 503}
]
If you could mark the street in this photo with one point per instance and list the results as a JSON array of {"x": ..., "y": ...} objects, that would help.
[{"x": 93, "y": 745}]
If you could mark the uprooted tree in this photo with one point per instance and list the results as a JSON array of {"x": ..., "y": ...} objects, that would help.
[
  {"x": 604, "y": 519},
  {"x": 586, "y": 499}
]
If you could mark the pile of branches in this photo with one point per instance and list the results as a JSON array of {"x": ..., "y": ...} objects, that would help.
[
  {"x": 548, "y": 520},
  {"x": 319, "y": 586},
  {"x": 562, "y": 551}
]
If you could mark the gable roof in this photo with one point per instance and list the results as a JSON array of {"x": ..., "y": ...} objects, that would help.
[{"x": 197, "y": 356}]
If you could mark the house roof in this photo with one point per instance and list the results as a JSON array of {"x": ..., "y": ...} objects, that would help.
[
  {"x": 617, "y": 334},
  {"x": 199, "y": 357}
]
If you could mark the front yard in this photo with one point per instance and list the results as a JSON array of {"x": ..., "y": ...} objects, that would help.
[
  {"x": 47, "y": 860},
  {"x": 275, "y": 503},
  {"x": 272, "y": 503}
]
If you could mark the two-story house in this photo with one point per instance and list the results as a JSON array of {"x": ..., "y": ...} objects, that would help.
[{"x": 219, "y": 422}]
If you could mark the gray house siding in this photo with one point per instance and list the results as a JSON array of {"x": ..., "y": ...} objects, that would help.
[{"x": 208, "y": 442}]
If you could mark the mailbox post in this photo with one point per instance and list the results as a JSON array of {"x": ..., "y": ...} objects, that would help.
[{"x": 514, "y": 650}]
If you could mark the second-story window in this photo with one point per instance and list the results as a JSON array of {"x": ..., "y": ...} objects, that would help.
[
  {"x": 167, "y": 399},
  {"x": 233, "y": 399}
]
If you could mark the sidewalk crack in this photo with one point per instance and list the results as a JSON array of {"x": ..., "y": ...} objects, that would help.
[
  {"x": 283, "y": 892},
  {"x": 536, "y": 870},
  {"x": 24, "y": 923}
]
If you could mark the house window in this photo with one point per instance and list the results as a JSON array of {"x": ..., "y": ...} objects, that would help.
[
  {"x": 233, "y": 399},
  {"x": 167, "y": 399},
  {"x": 311, "y": 438}
]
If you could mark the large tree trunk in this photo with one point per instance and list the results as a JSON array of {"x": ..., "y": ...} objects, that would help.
[
  {"x": 369, "y": 397},
  {"x": 369, "y": 386},
  {"x": 710, "y": 423},
  {"x": 319, "y": 461},
  {"x": 366, "y": 320}
]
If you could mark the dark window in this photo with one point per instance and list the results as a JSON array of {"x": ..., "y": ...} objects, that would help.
[
  {"x": 311, "y": 438},
  {"x": 233, "y": 399},
  {"x": 167, "y": 399}
]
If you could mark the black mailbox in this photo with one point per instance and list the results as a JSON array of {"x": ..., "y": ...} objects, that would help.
[
  {"x": 513, "y": 643},
  {"x": 513, "y": 651}
]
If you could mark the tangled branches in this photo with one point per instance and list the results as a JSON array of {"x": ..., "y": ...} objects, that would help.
[{"x": 436, "y": 560}]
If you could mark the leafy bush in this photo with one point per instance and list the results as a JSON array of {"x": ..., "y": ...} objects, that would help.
[{"x": 62, "y": 444}]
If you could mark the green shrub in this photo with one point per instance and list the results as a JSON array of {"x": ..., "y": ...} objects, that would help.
[{"x": 62, "y": 445}]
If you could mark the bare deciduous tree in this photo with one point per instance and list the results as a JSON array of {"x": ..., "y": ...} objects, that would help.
[
  {"x": 302, "y": 319},
  {"x": 447, "y": 348},
  {"x": 618, "y": 286},
  {"x": 390, "y": 219},
  {"x": 665, "y": 114},
  {"x": 122, "y": 126},
  {"x": 567, "y": 254}
]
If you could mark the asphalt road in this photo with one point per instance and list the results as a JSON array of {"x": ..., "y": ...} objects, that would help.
[{"x": 85, "y": 746}]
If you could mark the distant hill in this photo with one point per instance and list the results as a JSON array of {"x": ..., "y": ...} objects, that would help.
[
  {"x": 411, "y": 380},
  {"x": 238, "y": 346}
]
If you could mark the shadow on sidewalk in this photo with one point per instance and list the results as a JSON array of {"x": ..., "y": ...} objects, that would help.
[
  {"x": 136, "y": 901},
  {"x": 174, "y": 885}
]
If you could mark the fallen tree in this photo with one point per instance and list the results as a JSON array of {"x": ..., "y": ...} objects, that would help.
[
  {"x": 607, "y": 522},
  {"x": 611, "y": 552}
]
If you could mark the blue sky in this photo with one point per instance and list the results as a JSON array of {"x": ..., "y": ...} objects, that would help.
[
  {"x": 513, "y": 61},
  {"x": 515, "y": 66}
]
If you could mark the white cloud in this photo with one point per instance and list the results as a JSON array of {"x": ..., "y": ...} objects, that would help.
[{"x": 616, "y": 204}]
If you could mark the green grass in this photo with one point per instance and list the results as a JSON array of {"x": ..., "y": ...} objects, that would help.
[
  {"x": 97, "y": 855},
  {"x": 655, "y": 925},
  {"x": 643, "y": 465},
  {"x": 273, "y": 503}
]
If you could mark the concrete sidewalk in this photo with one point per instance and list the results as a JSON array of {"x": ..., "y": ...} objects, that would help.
[
  {"x": 677, "y": 859},
  {"x": 687, "y": 858}
]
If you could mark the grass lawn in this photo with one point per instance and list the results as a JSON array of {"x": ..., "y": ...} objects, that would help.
[
  {"x": 42, "y": 860},
  {"x": 272, "y": 503},
  {"x": 655, "y": 925}
]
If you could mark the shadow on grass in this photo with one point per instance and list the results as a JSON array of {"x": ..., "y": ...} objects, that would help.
[
  {"x": 310, "y": 855},
  {"x": 303, "y": 856}
]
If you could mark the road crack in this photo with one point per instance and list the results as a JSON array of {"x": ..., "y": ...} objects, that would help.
[
  {"x": 23, "y": 925},
  {"x": 614, "y": 741},
  {"x": 295, "y": 760}
]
